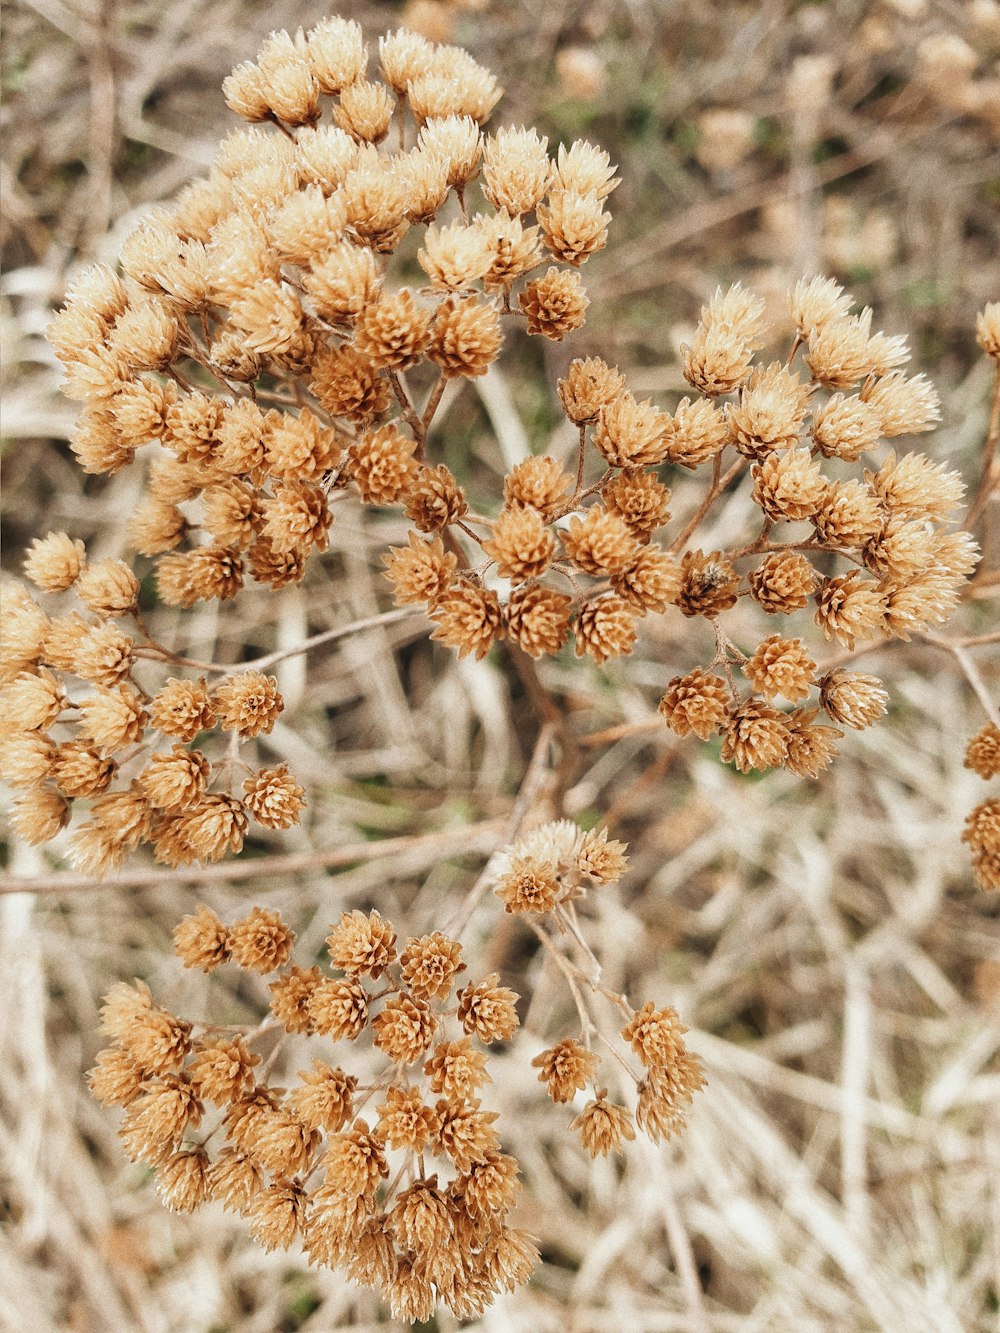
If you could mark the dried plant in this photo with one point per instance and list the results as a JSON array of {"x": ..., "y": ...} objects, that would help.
[
  {"x": 303, "y": 1165},
  {"x": 274, "y": 351}
]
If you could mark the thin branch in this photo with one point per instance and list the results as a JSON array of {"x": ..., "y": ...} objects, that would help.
[
  {"x": 433, "y": 401},
  {"x": 472, "y": 838},
  {"x": 587, "y": 1024},
  {"x": 971, "y": 673},
  {"x": 406, "y": 407},
  {"x": 719, "y": 484},
  {"x": 271, "y": 659},
  {"x": 534, "y": 778},
  {"x": 989, "y": 476}
]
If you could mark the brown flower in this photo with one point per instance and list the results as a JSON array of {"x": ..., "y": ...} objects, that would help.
[
  {"x": 982, "y": 754},
  {"x": 434, "y": 499},
  {"x": 201, "y": 940},
  {"x": 393, "y": 331},
  {"x": 783, "y": 582},
  {"x": 466, "y": 337},
  {"x": 382, "y": 465},
  {"x": 600, "y": 542},
  {"x": 848, "y": 607},
  {"x": 603, "y": 1127},
  {"x": 272, "y": 567},
  {"x": 640, "y": 498},
  {"x": 466, "y": 1133},
  {"x": 601, "y": 858},
  {"x": 419, "y": 572},
  {"x": 530, "y": 885},
  {"x": 112, "y": 718},
  {"x": 296, "y": 517},
  {"x": 276, "y": 1214},
  {"x": 274, "y": 798},
  {"x": 469, "y": 618},
  {"x": 516, "y": 169},
  {"x": 665, "y": 1094},
  {"x": 565, "y": 1067},
  {"x": 107, "y": 587},
  {"x": 588, "y": 386},
  {"x": 696, "y": 433},
  {"x": 651, "y": 580},
  {"x": 290, "y": 996},
  {"x": 339, "y": 1009},
  {"x": 756, "y": 737},
  {"x": 81, "y": 771},
  {"x": 404, "y": 1028},
  {"x": 182, "y": 708},
  {"x": 204, "y": 831},
  {"x": 348, "y": 385},
  {"x": 54, "y": 562},
  {"x": 555, "y": 304},
  {"x": 811, "y": 747},
  {"x": 538, "y": 619},
  {"x": 521, "y": 544},
  {"x": 540, "y": 483},
  {"x": 116, "y": 1079},
  {"x": 710, "y": 586},
  {"x": 260, "y": 941},
  {"x": 605, "y": 627},
  {"x": 982, "y": 834},
  {"x": 404, "y": 1121},
  {"x": 157, "y": 1120},
  {"x": 248, "y": 703},
  {"x": 324, "y": 1101},
  {"x": 362, "y": 945},
  {"x": 631, "y": 434},
  {"x": 487, "y": 1011},
  {"x": 172, "y": 781},
  {"x": 852, "y": 699},
  {"x": 656, "y": 1035},
  {"x": 222, "y": 1070},
  {"x": 789, "y": 486},
  {"x": 781, "y": 666},
  {"x": 770, "y": 412},
  {"x": 488, "y": 1187},
  {"x": 455, "y": 1069},
  {"x": 186, "y": 577},
  {"x": 234, "y": 1178},
  {"x": 429, "y": 964}
]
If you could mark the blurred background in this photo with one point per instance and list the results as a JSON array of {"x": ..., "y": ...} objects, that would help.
[{"x": 824, "y": 941}]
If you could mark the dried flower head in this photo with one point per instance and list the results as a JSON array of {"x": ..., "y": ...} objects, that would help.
[{"x": 260, "y": 941}]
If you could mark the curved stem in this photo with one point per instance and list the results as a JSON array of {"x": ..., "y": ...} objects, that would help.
[{"x": 719, "y": 484}]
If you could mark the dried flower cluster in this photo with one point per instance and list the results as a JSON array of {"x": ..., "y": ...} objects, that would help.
[
  {"x": 78, "y": 725},
  {"x": 982, "y": 828},
  {"x": 254, "y": 349},
  {"x": 982, "y": 754},
  {"x": 302, "y": 1164}
]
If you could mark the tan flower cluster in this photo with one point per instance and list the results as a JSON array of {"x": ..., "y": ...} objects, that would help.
[
  {"x": 982, "y": 828},
  {"x": 254, "y": 350},
  {"x": 254, "y": 344},
  {"x": 793, "y": 438},
  {"x": 301, "y": 1164},
  {"x": 546, "y": 872},
  {"x": 551, "y": 867},
  {"x": 80, "y": 728}
]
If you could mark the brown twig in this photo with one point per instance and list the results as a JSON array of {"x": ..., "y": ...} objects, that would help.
[
  {"x": 471, "y": 838},
  {"x": 989, "y": 476},
  {"x": 719, "y": 484}
]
